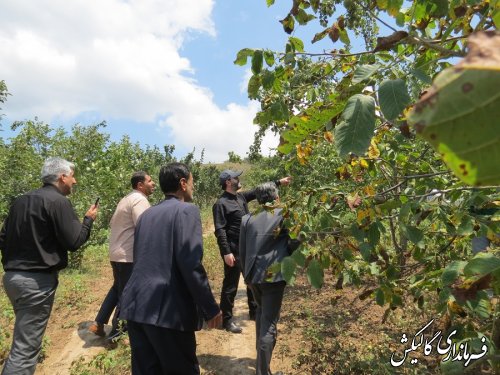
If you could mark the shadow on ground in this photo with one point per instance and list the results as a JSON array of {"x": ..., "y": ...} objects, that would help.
[
  {"x": 89, "y": 339},
  {"x": 226, "y": 365}
]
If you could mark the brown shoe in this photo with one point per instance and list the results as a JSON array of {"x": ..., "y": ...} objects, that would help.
[{"x": 97, "y": 329}]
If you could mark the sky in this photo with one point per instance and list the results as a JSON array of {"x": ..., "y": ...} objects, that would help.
[{"x": 159, "y": 71}]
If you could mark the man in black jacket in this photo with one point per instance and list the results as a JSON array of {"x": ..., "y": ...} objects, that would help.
[
  {"x": 38, "y": 232},
  {"x": 227, "y": 213}
]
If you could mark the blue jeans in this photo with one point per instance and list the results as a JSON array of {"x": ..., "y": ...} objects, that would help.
[{"x": 32, "y": 297}]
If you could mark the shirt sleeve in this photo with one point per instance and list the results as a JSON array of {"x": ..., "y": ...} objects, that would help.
[
  {"x": 138, "y": 207},
  {"x": 188, "y": 257},
  {"x": 220, "y": 231},
  {"x": 249, "y": 195},
  {"x": 70, "y": 233}
]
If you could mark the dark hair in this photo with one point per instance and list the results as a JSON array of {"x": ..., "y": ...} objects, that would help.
[
  {"x": 170, "y": 176},
  {"x": 266, "y": 192},
  {"x": 139, "y": 176}
]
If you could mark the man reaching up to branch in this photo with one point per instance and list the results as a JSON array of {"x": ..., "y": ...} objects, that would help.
[{"x": 227, "y": 212}]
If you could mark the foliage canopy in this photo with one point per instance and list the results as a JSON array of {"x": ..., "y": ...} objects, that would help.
[{"x": 398, "y": 124}]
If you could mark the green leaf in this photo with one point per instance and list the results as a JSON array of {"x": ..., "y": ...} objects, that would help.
[
  {"x": 297, "y": 44},
  {"x": 459, "y": 117},
  {"x": 394, "y": 6},
  {"x": 392, "y": 273},
  {"x": 396, "y": 300},
  {"x": 347, "y": 254},
  {"x": 269, "y": 2},
  {"x": 373, "y": 234},
  {"x": 257, "y": 61},
  {"x": 439, "y": 8},
  {"x": 366, "y": 251},
  {"x": 400, "y": 19},
  {"x": 355, "y": 130},
  {"x": 480, "y": 305},
  {"x": 288, "y": 267},
  {"x": 344, "y": 37},
  {"x": 422, "y": 76},
  {"x": 308, "y": 122},
  {"x": 393, "y": 96},
  {"x": 269, "y": 58},
  {"x": 299, "y": 258},
  {"x": 364, "y": 72},
  {"x": 357, "y": 233},
  {"x": 303, "y": 18},
  {"x": 253, "y": 87},
  {"x": 496, "y": 19},
  {"x": 315, "y": 274},
  {"x": 267, "y": 79},
  {"x": 379, "y": 297},
  {"x": 242, "y": 56},
  {"x": 279, "y": 111},
  {"x": 452, "y": 271},
  {"x": 452, "y": 368},
  {"x": 482, "y": 264},
  {"x": 414, "y": 234},
  {"x": 466, "y": 227}
]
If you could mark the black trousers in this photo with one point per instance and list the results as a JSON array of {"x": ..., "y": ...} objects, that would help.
[
  {"x": 162, "y": 351},
  {"x": 269, "y": 297},
  {"x": 121, "y": 274},
  {"x": 229, "y": 289}
]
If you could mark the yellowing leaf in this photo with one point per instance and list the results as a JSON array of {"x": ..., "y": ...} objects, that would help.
[
  {"x": 303, "y": 153},
  {"x": 365, "y": 214},
  {"x": 328, "y": 136},
  {"x": 363, "y": 163},
  {"x": 373, "y": 151},
  {"x": 369, "y": 190},
  {"x": 323, "y": 198}
]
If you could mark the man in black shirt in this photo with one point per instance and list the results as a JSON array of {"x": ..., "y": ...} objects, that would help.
[
  {"x": 38, "y": 232},
  {"x": 227, "y": 212}
]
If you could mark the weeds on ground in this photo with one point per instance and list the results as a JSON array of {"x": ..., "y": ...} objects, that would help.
[
  {"x": 6, "y": 323},
  {"x": 109, "y": 362}
]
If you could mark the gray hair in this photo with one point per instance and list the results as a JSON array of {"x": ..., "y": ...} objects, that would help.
[
  {"x": 267, "y": 192},
  {"x": 53, "y": 168}
]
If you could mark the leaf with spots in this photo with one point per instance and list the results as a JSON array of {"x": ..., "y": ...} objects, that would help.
[{"x": 459, "y": 113}]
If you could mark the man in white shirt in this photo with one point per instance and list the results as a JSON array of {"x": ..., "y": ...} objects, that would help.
[{"x": 121, "y": 246}]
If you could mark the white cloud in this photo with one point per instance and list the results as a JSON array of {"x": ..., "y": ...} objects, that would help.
[{"x": 120, "y": 59}]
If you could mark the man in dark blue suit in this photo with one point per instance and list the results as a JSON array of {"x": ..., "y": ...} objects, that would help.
[{"x": 168, "y": 294}]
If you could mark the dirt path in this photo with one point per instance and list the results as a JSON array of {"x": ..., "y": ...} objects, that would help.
[
  {"x": 69, "y": 336},
  {"x": 219, "y": 352},
  {"x": 225, "y": 353}
]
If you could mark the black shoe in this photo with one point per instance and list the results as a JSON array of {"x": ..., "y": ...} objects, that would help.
[{"x": 232, "y": 327}]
